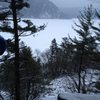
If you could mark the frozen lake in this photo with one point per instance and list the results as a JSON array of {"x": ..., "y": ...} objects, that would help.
[{"x": 56, "y": 28}]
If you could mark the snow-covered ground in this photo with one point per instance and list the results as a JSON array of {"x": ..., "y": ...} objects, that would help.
[
  {"x": 5, "y": 95},
  {"x": 65, "y": 84},
  {"x": 49, "y": 98}
]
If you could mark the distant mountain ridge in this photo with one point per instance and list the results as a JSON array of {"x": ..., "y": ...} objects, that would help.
[
  {"x": 45, "y": 9},
  {"x": 42, "y": 9}
]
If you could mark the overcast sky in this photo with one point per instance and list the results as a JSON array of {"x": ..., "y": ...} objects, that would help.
[{"x": 74, "y": 3}]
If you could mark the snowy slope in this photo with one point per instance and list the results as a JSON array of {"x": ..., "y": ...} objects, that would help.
[{"x": 65, "y": 84}]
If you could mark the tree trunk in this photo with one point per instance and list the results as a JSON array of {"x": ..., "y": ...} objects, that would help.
[
  {"x": 17, "y": 76},
  {"x": 80, "y": 69}
]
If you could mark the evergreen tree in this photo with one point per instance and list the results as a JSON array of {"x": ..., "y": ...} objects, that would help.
[
  {"x": 55, "y": 60},
  {"x": 97, "y": 32},
  {"x": 52, "y": 59},
  {"x": 86, "y": 44},
  {"x": 30, "y": 74},
  {"x": 67, "y": 55},
  {"x": 12, "y": 10}
]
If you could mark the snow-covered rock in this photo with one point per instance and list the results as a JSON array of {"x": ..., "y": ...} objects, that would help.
[{"x": 70, "y": 96}]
